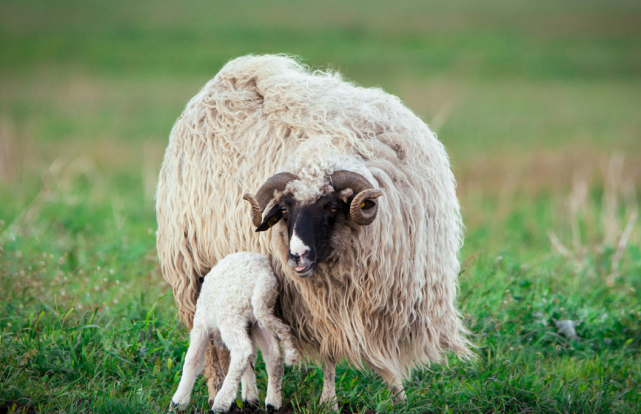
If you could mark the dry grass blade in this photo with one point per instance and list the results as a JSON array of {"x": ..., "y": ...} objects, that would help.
[
  {"x": 610, "y": 191},
  {"x": 441, "y": 116},
  {"x": 506, "y": 196},
  {"x": 152, "y": 157},
  {"x": 558, "y": 246},
  {"x": 577, "y": 203},
  {"x": 7, "y": 150},
  {"x": 621, "y": 247}
]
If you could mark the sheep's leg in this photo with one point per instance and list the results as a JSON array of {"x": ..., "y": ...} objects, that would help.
[
  {"x": 395, "y": 384},
  {"x": 250, "y": 392},
  {"x": 329, "y": 386},
  {"x": 214, "y": 372},
  {"x": 224, "y": 357},
  {"x": 272, "y": 355},
  {"x": 234, "y": 335},
  {"x": 194, "y": 361}
]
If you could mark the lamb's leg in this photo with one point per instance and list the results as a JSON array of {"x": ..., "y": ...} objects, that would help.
[
  {"x": 234, "y": 335},
  {"x": 273, "y": 358},
  {"x": 329, "y": 386},
  {"x": 194, "y": 361},
  {"x": 250, "y": 392},
  {"x": 263, "y": 301},
  {"x": 395, "y": 383}
]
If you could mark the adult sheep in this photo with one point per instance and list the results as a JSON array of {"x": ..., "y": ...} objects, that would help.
[{"x": 381, "y": 287}]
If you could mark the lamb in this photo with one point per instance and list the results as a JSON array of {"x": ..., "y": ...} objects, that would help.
[
  {"x": 234, "y": 308},
  {"x": 355, "y": 207}
]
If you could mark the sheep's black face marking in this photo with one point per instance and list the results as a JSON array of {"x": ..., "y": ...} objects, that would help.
[{"x": 310, "y": 228}]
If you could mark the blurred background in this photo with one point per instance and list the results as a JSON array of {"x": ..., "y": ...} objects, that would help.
[
  {"x": 537, "y": 102},
  {"x": 526, "y": 96}
]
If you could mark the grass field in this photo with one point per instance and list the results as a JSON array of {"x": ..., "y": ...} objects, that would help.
[{"x": 538, "y": 104}]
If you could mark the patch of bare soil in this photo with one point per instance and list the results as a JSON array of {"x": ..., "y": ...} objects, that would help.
[{"x": 15, "y": 407}]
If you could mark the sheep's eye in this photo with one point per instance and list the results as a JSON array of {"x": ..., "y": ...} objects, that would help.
[
  {"x": 333, "y": 209},
  {"x": 363, "y": 204},
  {"x": 283, "y": 210}
]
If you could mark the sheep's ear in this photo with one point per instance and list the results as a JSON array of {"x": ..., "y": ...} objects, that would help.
[
  {"x": 345, "y": 194},
  {"x": 271, "y": 219}
]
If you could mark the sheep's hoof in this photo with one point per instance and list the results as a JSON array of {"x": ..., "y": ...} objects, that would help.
[
  {"x": 250, "y": 404},
  {"x": 270, "y": 409}
]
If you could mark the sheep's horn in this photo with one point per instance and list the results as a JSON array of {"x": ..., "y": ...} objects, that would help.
[
  {"x": 364, "y": 191},
  {"x": 360, "y": 215},
  {"x": 277, "y": 182},
  {"x": 256, "y": 214},
  {"x": 347, "y": 179}
]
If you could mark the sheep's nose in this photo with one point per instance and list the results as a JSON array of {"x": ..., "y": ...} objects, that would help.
[{"x": 294, "y": 257}]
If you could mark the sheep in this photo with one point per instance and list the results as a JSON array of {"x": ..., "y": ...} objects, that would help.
[
  {"x": 381, "y": 289},
  {"x": 234, "y": 308}
]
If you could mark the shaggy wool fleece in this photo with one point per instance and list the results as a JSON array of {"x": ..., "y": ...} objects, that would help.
[{"x": 387, "y": 296}]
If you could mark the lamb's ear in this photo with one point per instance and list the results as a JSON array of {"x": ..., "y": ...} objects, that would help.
[{"x": 272, "y": 217}]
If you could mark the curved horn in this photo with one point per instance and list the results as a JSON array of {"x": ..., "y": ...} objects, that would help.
[
  {"x": 347, "y": 179},
  {"x": 363, "y": 190},
  {"x": 361, "y": 216},
  {"x": 256, "y": 214},
  {"x": 266, "y": 193},
  {"x": 276, "y": 182}
]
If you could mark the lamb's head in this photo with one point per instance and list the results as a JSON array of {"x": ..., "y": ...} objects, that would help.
[{"x": 311, "y": 224}]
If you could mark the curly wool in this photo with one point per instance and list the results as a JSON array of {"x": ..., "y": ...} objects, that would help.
[
  {"x": 235, "y": 308},
  {"x": 387, "y": 297}
]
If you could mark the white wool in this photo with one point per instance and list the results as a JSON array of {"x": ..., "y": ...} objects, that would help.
[
  {"x": 238, "y": 295},
  {"x": 387, "y": 298}
]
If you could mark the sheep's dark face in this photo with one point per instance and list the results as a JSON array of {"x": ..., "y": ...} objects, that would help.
[{"x": 310, "y": 227}]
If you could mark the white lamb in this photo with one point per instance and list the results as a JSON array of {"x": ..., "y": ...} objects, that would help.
[{"x": 235, "y": 308}]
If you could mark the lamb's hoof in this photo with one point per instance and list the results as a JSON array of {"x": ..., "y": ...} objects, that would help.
[
  {"x": 233, "y": 407},
  {"x": 250, "y": 404},
  {"x": 173, "y": 407},
  {"x": 270, "y": 409}
]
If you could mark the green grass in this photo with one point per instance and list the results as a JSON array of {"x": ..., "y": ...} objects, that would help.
[
  {"x": 530, "y": 98},
  {"x": 88, "y": 326}
]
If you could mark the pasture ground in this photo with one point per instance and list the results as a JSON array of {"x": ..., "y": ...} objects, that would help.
[{"x": 537, "y": 102}]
